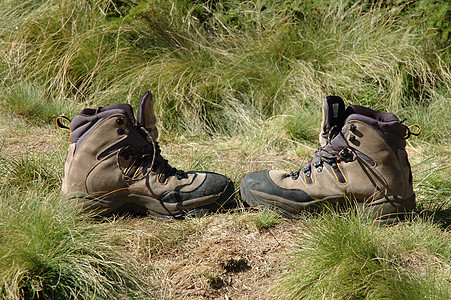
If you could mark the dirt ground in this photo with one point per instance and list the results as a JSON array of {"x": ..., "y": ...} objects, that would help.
[{"x": 223, "y": 256}]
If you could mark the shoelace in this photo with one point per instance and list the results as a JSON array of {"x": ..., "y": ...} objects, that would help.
[
  {"x": 332, "y": 156},
  {"x": 148, "y": 158},
  {"x": 326, "y": 154}
]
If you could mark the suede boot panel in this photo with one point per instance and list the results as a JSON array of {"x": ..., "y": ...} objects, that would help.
[
  {"x": 406, "y": 171},
  {"x": 105, "y": 177},
  {"x": 325, "y": 184},
  {"x": 387, "y": 164},
  {"x": 97, "y": 141},
  {"x": 152, "y": 187},
  {"x": 65, "y": 187}
]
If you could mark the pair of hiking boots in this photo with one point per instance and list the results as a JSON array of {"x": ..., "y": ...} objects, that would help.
[{"x": 114, "y": 165}]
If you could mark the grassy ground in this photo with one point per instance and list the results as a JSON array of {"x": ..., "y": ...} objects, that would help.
[{"x": 238, "y": 88}]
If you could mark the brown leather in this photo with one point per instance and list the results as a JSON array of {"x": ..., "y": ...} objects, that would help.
[
  {"x": 84, "y": 173},
  {"x": 388, "y": 175}
]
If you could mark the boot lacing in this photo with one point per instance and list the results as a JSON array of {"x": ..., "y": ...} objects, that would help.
[
  {"x": 147, "y": 158},
  {"x": 327, "y": 154}
]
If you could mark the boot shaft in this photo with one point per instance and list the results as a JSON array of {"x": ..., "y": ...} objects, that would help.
[
  {"x": 98, "y": 135},
  {"x": 380, "y": 152},
  {"x": 378, "y": 141},
  {"x": 362, "y": 153}
]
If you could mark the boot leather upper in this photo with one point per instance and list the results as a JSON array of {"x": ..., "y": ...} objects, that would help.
[
  {"x": 386, "y": 174},
  {"x": 93, "y": 166},
  {"x": 379, "y": 168}
]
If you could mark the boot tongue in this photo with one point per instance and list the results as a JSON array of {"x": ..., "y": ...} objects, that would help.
[
  {"x": 333, "y": 115},
  {"x": 146, "y": 116}
]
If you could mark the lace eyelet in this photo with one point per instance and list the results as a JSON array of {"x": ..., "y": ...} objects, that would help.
[
  {"x": 179, "y": 174},
  {"x": 159, "y": 178}
]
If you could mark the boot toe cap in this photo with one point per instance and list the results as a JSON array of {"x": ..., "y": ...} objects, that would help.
[
  {"x": 215, "y": 188},
  {"x": 258, "y": 188}
]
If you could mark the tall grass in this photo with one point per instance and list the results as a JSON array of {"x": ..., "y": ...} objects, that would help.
[
  {"x": 342, "y": 256},
  {"x": 48, "y": 249},
  {"x": 48, "y": 252},
  {"x": 214, "y": 65}
]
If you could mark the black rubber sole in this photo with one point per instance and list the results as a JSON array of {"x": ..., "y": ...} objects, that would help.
[{"x": 252, "y": 201}]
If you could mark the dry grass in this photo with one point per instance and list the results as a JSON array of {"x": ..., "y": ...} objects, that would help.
[
  {"x": 18, "y": 136},
  {"x": 221, "y": 256}
]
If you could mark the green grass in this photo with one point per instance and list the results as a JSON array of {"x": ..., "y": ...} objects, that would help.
[
  {"x": 237, "y": 87},
  {"x": 343, "y": 256},
  {"x": 266, "y": 218},
  {"x": 48, "y": 250},
  {"x": 214, "y": 65},
  {"x": 32, "y": 103},
  {"x": 27, "y": 170}
]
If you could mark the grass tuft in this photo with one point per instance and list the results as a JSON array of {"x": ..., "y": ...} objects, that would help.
[
  {"x": 266, "y": 218},
  {"x": 50, "y": 251},
  {"x": 31, "y": 103},
  {"x": 342, "y": 256},
  {"x": 29, "y": 170}
]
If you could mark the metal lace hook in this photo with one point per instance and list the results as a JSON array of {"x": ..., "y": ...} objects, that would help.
[{"x": 60, "y": 120}]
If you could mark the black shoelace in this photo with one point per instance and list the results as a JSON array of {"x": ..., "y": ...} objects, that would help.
[
  {"x": 326, "y": 154},
  {"x": 148, "y": 158}
]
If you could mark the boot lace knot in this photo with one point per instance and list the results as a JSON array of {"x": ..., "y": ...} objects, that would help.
[{"x": 147, "y": 159}]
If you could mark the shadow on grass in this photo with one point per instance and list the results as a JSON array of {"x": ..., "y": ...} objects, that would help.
[{"x": 441, "y": 217}]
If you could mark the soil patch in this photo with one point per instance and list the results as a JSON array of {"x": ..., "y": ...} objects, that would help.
[{"x": 226, "y": 258}]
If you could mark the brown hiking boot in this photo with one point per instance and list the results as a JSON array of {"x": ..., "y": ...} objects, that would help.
[
  {"x": 361, "y": 157},
  {"x": 114, "y": 165}
]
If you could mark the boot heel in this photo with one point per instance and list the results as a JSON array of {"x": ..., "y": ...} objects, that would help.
[{"x": 389, "y": 209}]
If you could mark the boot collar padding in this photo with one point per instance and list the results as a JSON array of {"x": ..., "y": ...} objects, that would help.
[
  {"x": 82, "y": 123},
  {"x": 389, "y": 128}
]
